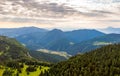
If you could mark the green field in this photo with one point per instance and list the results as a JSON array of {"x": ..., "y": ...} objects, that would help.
[
  {"x": 23, "y": 71},
  {"x": 101, "y": 43},
  {"x": 1, "y": 70}
]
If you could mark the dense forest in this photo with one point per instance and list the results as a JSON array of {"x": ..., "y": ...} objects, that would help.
[{"x": 100, "y": 62}]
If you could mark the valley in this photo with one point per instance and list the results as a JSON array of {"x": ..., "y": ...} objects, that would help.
[
  {"x": 59, "y": 37},
  {"x": 47, "y": 54}
]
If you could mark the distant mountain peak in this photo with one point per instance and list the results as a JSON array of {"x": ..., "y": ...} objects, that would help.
[
  {"x": 56, "y": 30},
  {"x": 14, "y": 32},
  {"x": 84, "y": 30},
  {"x": 111, "y": 30},
  {"x": 30, "y": 27}
]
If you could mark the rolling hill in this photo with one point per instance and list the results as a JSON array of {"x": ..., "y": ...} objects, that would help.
[
  {"x": 56, "y": 39},
  {"x": 15, "y": 59},
  {"x": 104, "y": 61},
  {"x": 32, "y": 40},
  {"x": 111, "y": 30},
  {"x": 10, "y": 49},
  {"x": 60, "y": 45},
  {"x": 95, "y": 43},
  {"x": 83, "y": 34},
  {"x": 52, "y": 35},
  {"x": 14, "y": 32}
]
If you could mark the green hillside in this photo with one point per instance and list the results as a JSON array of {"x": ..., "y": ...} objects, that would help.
[
  {"x": 94, "y": 43},
  {"x": 26, "y": 70},
  {"x": 10, "y": 49},
  {"x": 101, "y": 62},
  {"x": 15, "y": 60}
]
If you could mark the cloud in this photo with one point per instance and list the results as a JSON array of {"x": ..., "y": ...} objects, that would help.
[
  {"x": 102, "y": 12},
  {"x": 110, "y": 21},
  {"x": 57, "y": 14},
  {"x": 30, "y": 8},
  {"x": 116, "y": 1},
  {"x": 106, "y": 1},
  {"x": 33, "y": 9}
]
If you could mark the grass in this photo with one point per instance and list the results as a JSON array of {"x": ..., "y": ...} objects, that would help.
[
  {"x": 24, "y": 73},
  {"x": 36, "y": 73},
  {"x": 101, "y": 43},
  {"x": 1, "y": 70},
  {"x": 1, "y": 53}
]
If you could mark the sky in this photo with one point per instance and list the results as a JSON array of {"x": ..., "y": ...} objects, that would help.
[{"x": 61, "y": 14}]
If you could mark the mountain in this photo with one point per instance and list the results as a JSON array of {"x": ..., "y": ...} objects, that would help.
[
  {"x": 83, "y": 35},
  {"x": 10, "y": 49},
  {"x": 32, "y": 40},
  {"x": 52, "y": 35},
  {"x": 14, "y": 32},
  {"x": 104, "y": 61},
  {"x": 72, "y": 37},
  {"x": 56, "y": 39},
  {"x": 111, "y": 30},
  {"x": 60, "y": 45},
  {"x": 94, "y": 43},
  {"x": 40, "y": 40}
]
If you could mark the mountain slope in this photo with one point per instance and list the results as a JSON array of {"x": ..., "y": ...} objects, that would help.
[
  {"x": 48, "y": 56},
  {"x": 53, "y": 35},
  {"x": 14, "y": 32},
  {"x": 111, "y": 30},
  {"x": 40, "y": 40},
  {"x": 32, "y": 40},
  {"x": 10, "y": 49},
  {"x": 101, "y": 62},
  {"x": 83, "y": 35},
  {"x": 91, "y": 44},
  {"x": 73, "y": 37},
  {"x": 56, "y": 39},
  {"x": 60, "y": 45}
]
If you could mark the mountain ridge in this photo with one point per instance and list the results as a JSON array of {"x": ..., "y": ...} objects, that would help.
[
  {"x": 14, "y": 32},
  {"x": 57, "y": 40},
  {"x": 94, "y": 43},
  {"x": 100, "y": 62}
]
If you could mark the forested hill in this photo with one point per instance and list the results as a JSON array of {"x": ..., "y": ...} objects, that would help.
[
  {"x": 100, "y": 62},
  {"x": 10, "y": 49},
  {"x": 94, "y": 43}
]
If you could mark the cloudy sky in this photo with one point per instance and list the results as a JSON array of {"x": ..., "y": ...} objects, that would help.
[{"x": 62, "y": 14}]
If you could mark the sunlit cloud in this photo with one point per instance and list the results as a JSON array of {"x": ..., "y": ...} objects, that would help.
[{"x": 63, "y": 14}]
